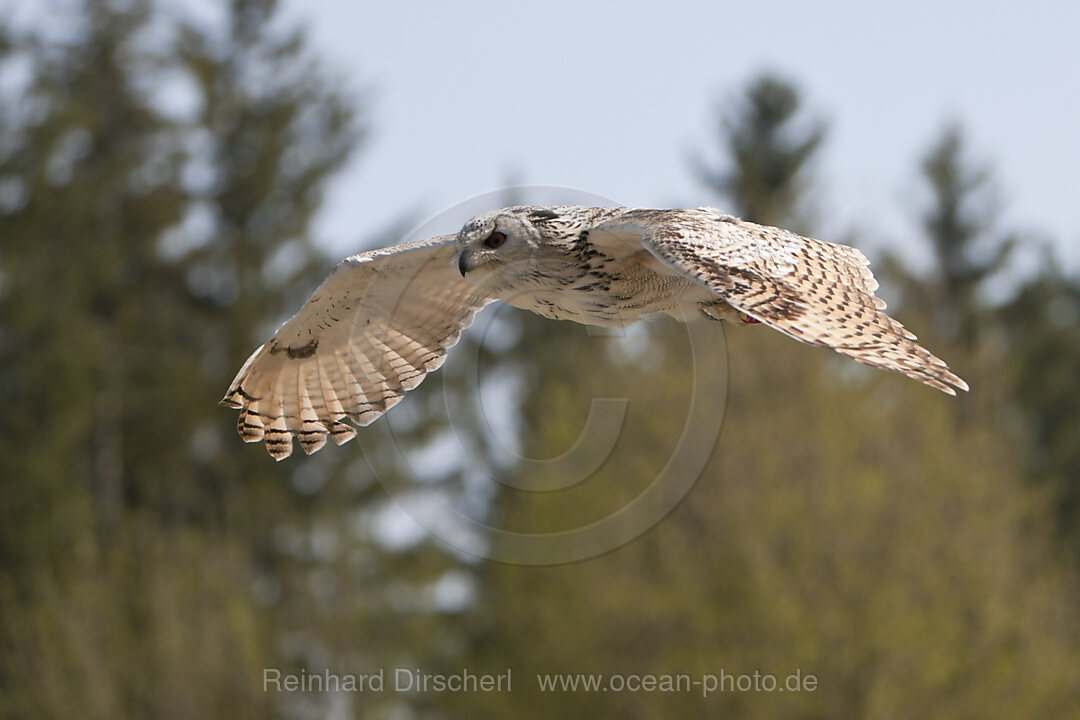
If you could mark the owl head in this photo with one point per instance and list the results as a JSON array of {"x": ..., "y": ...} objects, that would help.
[{"x": 497, "y": 247}]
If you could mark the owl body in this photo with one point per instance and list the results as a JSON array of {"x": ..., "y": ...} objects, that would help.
[
  {"x": 581, "y": 272},
  {"x": 386, "y": 318},
  {"x": 613, "y": 292}
]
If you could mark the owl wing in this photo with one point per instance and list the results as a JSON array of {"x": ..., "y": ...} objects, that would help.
[
  {"x": 370, "y": 332},
  {"x": 816, "y": 292}
]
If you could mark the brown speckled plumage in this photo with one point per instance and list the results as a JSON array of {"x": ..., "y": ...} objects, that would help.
[{"x": 386, "y": 318}]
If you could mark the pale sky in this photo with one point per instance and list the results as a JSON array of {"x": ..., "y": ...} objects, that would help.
[{"x": 612, "y": 98}]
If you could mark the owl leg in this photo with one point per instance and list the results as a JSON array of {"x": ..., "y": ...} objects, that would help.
[{"x": 720, "y": 310}]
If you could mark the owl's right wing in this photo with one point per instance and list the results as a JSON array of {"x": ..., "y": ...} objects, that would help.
[
  {"x": 370, "y": 332},
  {"x": 816, "y": 292}
]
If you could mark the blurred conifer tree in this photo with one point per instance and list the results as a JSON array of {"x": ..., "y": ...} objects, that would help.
[
  {"x": 768, "y": 149},
  {"x": 157, "y": 179},
  {"x": 848, "y": 525},
  {"x": 959, "y": 226}
]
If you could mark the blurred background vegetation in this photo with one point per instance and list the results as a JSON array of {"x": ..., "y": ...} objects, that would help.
[{"x": 916, "y": 553}]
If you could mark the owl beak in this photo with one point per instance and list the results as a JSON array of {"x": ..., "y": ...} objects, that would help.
[{"x": 463, "y": 264}]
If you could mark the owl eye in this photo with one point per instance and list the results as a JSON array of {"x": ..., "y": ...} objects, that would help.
[{"x": 495, "y": 239}]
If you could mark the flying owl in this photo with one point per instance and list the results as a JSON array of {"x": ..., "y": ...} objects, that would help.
[{"x": 385, "y": 318}]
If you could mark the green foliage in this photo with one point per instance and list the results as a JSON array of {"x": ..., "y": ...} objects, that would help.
[
  {"x": 849, "y": 525},
  {"x": 1025, "y": 347},
  {"x": 1039, "y": 328},
  {"x": 141, "y": 261},
  {"x": 853, "y": 530}
]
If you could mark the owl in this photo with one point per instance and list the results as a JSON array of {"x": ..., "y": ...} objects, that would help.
[{"x": 384, "y": 319}]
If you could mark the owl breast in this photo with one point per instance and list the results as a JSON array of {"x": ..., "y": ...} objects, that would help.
[{"x": 615, "y": 293}]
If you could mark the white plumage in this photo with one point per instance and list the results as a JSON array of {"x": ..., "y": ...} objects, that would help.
[{"x": 384, "y": 319}]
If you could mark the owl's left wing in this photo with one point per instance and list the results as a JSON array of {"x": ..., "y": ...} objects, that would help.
[
  {"x": 370, "y": 332},
  {"x": 816, "y": 292}
]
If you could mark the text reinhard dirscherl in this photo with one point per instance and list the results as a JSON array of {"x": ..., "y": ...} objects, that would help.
[
  {"x": 396, "y": 680},
  {"x": 415, "y": 680}
]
